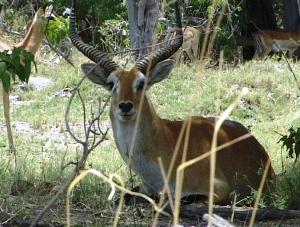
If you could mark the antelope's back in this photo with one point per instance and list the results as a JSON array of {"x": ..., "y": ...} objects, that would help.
[
  {"x": 244, "y": 158},
  {"x": 280, "y": 34}
]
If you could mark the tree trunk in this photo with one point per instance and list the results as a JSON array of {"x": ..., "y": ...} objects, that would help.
[
  {"x": 291, "y": 15},
  {"x": 142, "y": 17}
]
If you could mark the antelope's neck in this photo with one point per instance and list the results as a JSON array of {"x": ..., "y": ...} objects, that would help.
[
  {"x": 140, "y": 146},
  {"x": 32, "y": 40},
  {"x": 140, "y": 136}
]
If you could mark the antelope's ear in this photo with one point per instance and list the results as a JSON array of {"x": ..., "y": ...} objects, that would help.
[
  {"x": 95, "y": 73},
  {"x": 161, "y": 71}
]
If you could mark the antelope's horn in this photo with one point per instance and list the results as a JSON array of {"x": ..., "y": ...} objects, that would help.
[
  {"x": 148, "y": 62},
  {"x": 89, "y": 51}
]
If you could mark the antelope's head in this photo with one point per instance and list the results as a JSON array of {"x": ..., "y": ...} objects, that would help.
[
  {"x": 126, "y": 87},
  {"x": 41, "y": 17}
]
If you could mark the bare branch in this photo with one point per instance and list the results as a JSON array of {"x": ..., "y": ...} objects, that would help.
[
  {"x": 86, "y": 147},
  {"x": 68, "y": 112},
  {"x": 84, "y": 114}
]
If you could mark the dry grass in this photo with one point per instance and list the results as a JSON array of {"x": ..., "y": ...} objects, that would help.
[{"x": 271, "y": 105}]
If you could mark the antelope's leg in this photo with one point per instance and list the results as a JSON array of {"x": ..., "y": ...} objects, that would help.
[
  {"x": 292, "y": 51},
  {"x": 191, "y": 55},
  {"x": 6, "y": 110}
]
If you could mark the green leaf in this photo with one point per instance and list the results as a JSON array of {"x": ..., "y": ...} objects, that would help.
[
  {"x": 27, "y": 70},
  {"x": 297, "y": 150},
  {"x": 28, "y": 55},
  {"x": 15, "y": 57},
  {"x": 2, "y": 69},
  {"x": 6, "y": 81},
  {"x": 291, "y": 143},
  {"x": 4, "y": 56},
  {"x": 57, "y": 30}
]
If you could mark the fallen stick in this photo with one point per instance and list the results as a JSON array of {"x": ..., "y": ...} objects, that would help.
[{"x": 240, "y": 213}]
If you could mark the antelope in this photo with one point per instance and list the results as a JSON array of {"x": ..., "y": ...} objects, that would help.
[
  {"x": 31, "y": 43},
  {"x": 238, "y": 166},
  {"x": 276, "y": 41},
  {"x": 190, "y": 44}
]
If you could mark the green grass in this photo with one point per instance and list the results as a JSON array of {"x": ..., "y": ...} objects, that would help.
[{"x": 271, "y": 107}]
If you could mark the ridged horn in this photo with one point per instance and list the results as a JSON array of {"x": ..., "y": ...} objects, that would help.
[
  {"x": 148, "y": 62},
  {"x": 89, "y": 51}
]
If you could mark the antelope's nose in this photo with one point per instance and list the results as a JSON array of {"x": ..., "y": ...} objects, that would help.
[{"x": 125, "y": 107}]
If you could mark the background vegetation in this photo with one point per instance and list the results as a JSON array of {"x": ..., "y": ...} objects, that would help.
[
  {"x": 46, "y": 153},
  {"x": 45, "y": 150}
]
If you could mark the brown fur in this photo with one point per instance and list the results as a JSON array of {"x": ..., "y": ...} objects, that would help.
[
  {"x": 276, "y": 41},
  {"x": 239, "y": 167},
  {"x": 190, "y": 45}
]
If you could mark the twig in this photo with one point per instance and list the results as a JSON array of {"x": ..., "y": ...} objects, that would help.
[
  {"x": 68, "y": 111},
  {"x": 58, "y": 52},
  {"x": 240, "y": 213},
  {"x": 85, "y": 147},
  {"x": 290, "y": 68},
  {"x": 84, "y": 114}
]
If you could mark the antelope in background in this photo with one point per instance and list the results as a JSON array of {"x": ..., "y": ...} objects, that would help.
[
  {"x": 238, "y": 166},
  {"x": 276, "y": 41},
  {"x": 31, "y": 43},
  {"x": 190, "y": 44}
]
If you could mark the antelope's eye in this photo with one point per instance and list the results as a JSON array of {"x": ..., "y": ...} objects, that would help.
[
  {"x": 141, "y": 85},
  {"x": 110, "y": 85}
]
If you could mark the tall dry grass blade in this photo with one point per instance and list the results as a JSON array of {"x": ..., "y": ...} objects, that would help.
[
  {"x": 171, "y": 167},
  {"x": 218, "y": 125},
  {"x": 168, "y": 191},
  {"x": 259, "y": 192},
  {"x": 223, "y": 146},
  {"x": 69, "y": 190},
  {"x": 215, "y": 31},
  {"x": 204, "y": 47},
  {"x": 113, "y": 185},
  {"x": 180, "y": 175},
  {"x": 212, "y": 152},
  {"x": 121, "y": 198},
  {"x": 233, "y": 206},
  {"x": 221, "y": 61}
]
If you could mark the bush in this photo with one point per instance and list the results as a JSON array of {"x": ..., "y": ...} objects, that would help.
[
  {"x": 114, "y": 35},
  {"x": 291, "y": 143}
]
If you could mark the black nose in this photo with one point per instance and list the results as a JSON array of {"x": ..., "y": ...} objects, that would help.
[{"x": 125, "y": 107}]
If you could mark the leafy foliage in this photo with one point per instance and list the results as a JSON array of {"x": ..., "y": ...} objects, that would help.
[
  {"x": 115, "y": 35},
  {"x": 90, "y": 16},
  {"x": 16, "y": 63},
  {"x": 57, "y": 30},
  {"x": 103, "y": 10},
  {"x": 291, "y": 143},
  {"x": 14, "y": 19}
]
